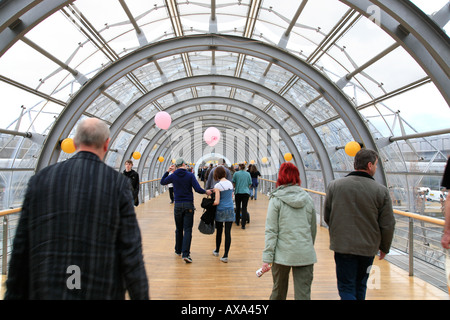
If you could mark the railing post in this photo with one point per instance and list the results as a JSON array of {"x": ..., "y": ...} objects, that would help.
[
  {"x": 411, "y": 246},
  {"x": 321, "y": 211},
  {"x": 5, "y": 245}
]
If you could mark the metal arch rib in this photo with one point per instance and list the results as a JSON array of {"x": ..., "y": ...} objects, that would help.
[
  {"x": 30, "y": 14},
  {"x": 220, "y": 124},
  {"x": 216, "y": 100},
  {"x": 271, "y": 96},
  {"x": 418, "y": 35},
  {"x": 220, "y": 100},
  {"x": 107, "y": 77}
]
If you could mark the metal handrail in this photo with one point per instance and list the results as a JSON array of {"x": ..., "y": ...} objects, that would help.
[
  {"x": 403, "y": 213},
  {"x": 5, "y": 223},
  {"x": 410, "y": 238},
  {"x": 152, "y": 192}
]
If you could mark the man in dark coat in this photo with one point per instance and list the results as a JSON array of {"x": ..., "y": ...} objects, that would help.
[
  {"x": 358, "y": 211},
  {"x": 78, "y": 236},
  {"x": 134, "y": 179}
]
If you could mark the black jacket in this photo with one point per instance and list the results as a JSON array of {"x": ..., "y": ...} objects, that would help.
[
  {"x": 210, "y": 209},
  {"x": 134, "y": 179}
]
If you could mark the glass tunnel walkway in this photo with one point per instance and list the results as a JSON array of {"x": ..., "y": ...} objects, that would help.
[{"x": 307, "y": 80}]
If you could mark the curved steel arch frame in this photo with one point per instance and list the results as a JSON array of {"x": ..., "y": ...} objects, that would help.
[
  {"x": 271, "y": 96},
  {"x": 283, "y": 134},
  {"x": 107, "y": 77},
  {"x": 222, "y": 124},
  {"x": 162, "y": 133},
  {"x": 416, "y": 32},
  {"x": 209, "y": 100},
  {"x": 433, "y": 43}
]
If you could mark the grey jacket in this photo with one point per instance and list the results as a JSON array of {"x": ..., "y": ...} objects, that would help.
[
  {"x": 358, "y": 211},
  {"x": 290, "y": 228}
]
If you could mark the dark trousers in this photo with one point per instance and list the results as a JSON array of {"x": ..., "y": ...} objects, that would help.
[
  {"x": 171, "y": 194},
  {"x": 219, "y": 231},
  {"x": 184, "y": 220},
  {"x": 352, "y": 272},
  {"x": 241, "y": 200}
]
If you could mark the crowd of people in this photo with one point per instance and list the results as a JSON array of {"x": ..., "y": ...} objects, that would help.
[
  {"x": 78, "y": 236},
  {"x": 231, "y": 187}
]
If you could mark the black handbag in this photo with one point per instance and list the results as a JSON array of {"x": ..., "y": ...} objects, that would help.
[{"x": 206, "y": 228}]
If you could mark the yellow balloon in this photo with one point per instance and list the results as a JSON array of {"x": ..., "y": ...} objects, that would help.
[
  {"x": 173, "y": 160},
  {"x": 136, "y": 155},
  {"x": 252, "y": 161},
  {"x": 264, "y": 160},
  {"x": 352, "y": 148},
  {"x": 68, "y": 146},
  {"x": 287, "y": 156},
  {"x": 161, "y": 159}
]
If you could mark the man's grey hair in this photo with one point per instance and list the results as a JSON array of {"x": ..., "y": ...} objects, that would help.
[
  {"x": 363, "y": 157},
  {"x": 91, "y": 132}
]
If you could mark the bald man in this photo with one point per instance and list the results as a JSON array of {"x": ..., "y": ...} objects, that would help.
[{"x": 78, "y": 237}]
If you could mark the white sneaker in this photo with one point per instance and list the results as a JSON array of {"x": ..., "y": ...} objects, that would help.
[
  {"x": 224, "y": 259},
  {"x": 215, "y": 253}
]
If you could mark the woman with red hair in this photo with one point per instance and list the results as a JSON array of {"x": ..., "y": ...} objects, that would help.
[
  {"x": 288, "y": 174},
  {"x": 290, "y": 235}
]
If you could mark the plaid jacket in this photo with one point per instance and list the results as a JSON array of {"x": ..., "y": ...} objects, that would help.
[{"x": 78, "y": 236}]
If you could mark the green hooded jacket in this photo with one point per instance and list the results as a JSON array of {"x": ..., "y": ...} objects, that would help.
[{"x": 290, "y": 227}]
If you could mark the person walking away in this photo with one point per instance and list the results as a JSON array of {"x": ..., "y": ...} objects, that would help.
[
  {"x": 358, "y": 211},
  {"x": 224, "y": 212},
  {"x": 183, "y": 182},
  {"x": 134, "y": 178},
  {"x": 254, "y": 174},
  {"x": 242, "y": 182},
  {"x": 78, "y": 236},
  {"x": 210, "y": 182},
  {"x": 290, "y": 235},
  {"x": 445, "y": 240}
]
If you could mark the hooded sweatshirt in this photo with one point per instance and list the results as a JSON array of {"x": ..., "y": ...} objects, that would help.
[
  {"x": 290, "y": 227},
  {"x": 183, "y": 181}
]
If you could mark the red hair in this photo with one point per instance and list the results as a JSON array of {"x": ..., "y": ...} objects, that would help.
[{"x": 288, "y": 174}]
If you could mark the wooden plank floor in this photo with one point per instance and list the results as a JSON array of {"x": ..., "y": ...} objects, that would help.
[{"x": 208, "y": 278}]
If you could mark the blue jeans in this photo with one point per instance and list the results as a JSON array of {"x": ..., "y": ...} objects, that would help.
[
  {"x": 253, "y": 192},
  {"x": 352, "y": 272},
  {"x": 184, "y": 220}
]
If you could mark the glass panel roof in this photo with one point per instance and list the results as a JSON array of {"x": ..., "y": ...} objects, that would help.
[{"x": 55, "y": 60}]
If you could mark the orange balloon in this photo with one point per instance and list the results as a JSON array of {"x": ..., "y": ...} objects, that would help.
[
  {"x": 68, "y": 146},
  {"x": 352, "y": 148},
  {"x": 136, "y": 155},
  {"x": 288, "y": 156}
]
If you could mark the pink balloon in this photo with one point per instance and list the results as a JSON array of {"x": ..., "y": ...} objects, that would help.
[
  {"x": 211, "y": 136},
  {"x": 163, "y": 120}
]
